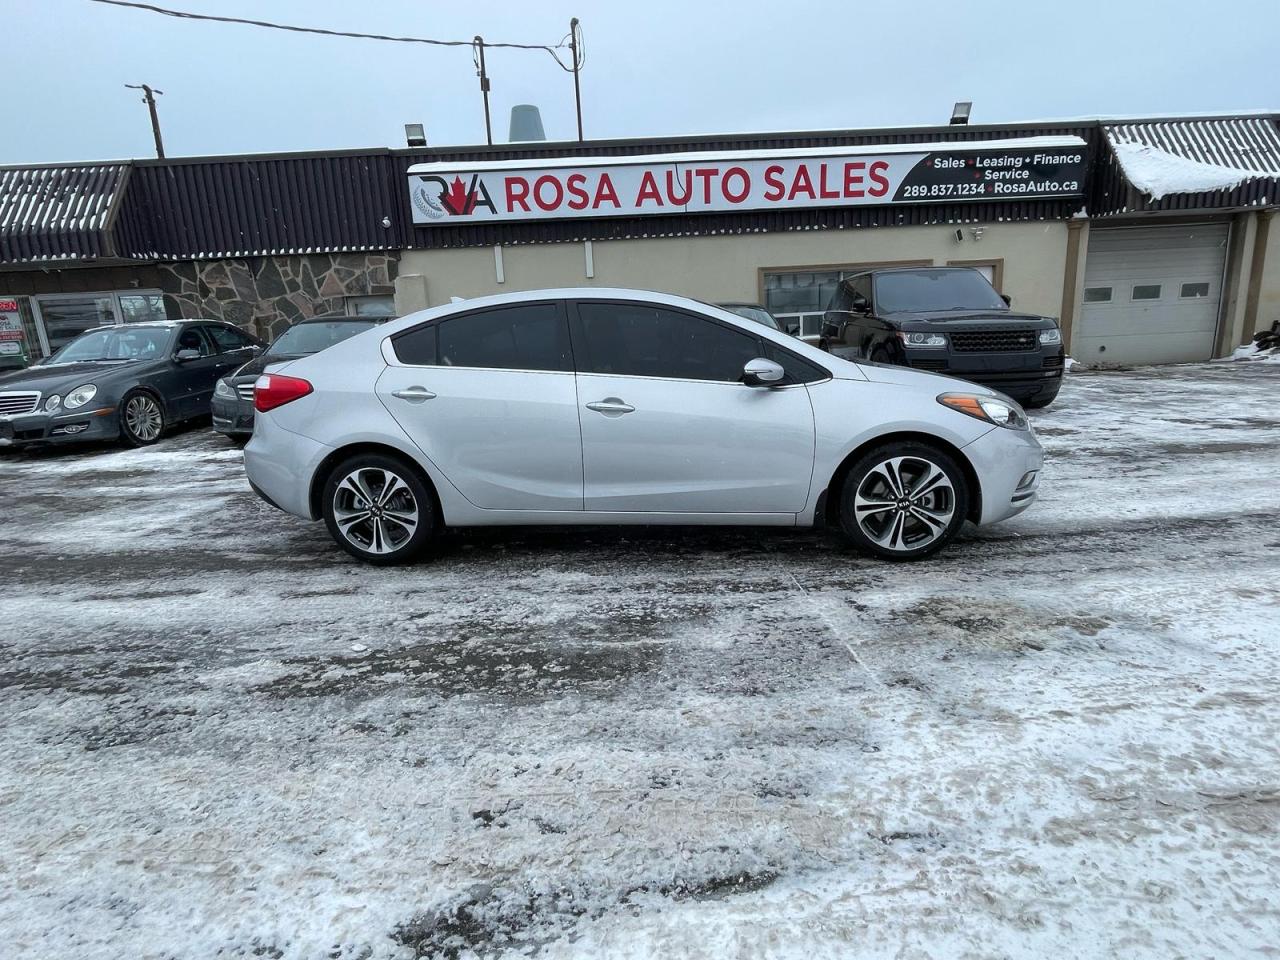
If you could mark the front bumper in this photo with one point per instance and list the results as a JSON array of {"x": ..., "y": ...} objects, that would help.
[
  {"x": 100, "y": 423},
  {"x": 232, "y": 416},
  {"x": 1029, "y": 376},
  {"x": 1008, "y": 464}
]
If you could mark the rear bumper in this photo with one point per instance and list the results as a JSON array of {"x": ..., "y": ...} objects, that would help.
[
  {"x": 62, "y": 427},
  {"x": 280, "y": 465},
  {"x": 1008, "y": 464}
]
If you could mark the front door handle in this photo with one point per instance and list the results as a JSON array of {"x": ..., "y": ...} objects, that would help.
[
  {"x": 414, "y": 394},
  {"x": 610, "y": 405}
]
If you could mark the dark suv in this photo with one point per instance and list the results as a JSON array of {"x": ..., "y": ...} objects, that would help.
[{"x": 946, "y": 320}]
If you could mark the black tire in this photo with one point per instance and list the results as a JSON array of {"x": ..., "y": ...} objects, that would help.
[
  {"x": 385, "y": 539},
  {"x": 881, "y": 355},
  {"x": 142, "y": 420},
  {"x": 926, "y": 523}
]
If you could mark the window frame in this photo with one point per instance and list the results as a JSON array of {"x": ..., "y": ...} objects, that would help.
[
  {"x": 393, "y": 359},
  {"x": 1208, "y": 289},
  {"x": 1133, "y": 291},
  {"x": 577, "y": 336},
  {"x": 1110, "y": 298}
]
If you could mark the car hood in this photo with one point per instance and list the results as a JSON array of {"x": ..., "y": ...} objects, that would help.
[
  {"x": 966, "y": 318},
  {"x": 921, "y": 380},
  {"x": 57, "y": 378},
  {"x": 259, "y": 364}
]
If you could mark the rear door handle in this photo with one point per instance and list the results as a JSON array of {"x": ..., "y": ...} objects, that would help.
[
  {"x": 414, "y": 394},
  {"x": 610, "y": 405}
]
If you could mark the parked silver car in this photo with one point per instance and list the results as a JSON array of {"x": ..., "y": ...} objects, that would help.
[{"x": 594, "y": 406}]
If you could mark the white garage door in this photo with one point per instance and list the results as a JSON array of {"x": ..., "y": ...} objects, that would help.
[{"x": 1151, "y": 294}]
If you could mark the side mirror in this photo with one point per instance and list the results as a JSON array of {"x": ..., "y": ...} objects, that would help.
[
  {"x": 1008, "y": 300},
  {"x": 860, "y": 305},
  {"x": 761, "y": 372},
  {"x": 182, "y": 356}
]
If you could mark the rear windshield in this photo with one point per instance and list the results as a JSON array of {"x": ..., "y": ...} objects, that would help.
[
  {"x": 917, "y": 291},
  {"x": 304, "y": 339}
]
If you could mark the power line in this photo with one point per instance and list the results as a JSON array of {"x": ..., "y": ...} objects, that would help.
[{"x": 185, "y": 15}]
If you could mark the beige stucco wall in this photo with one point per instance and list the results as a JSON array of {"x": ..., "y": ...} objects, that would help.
[
  {"x": 728, "y": 267},
  {"x": 1269, "y": 288}
]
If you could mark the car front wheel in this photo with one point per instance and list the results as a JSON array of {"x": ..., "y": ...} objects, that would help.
[
  {"x": 903, "y": 501},
  {"x": 141, "y": 419},
  {"x": 378, "y": 510}
]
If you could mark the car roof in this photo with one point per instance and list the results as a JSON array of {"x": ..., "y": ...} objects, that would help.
[
  {"x": 741, "y": 303},
  {"x": 915, "y": 269},
  {"x": 331, "y": 317}
]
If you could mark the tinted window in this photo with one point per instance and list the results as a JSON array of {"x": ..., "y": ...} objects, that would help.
[
  {"x": 1097, "y": 294},
  {"x": 636, "y": 340},
  {"x": 312, "y": 336},
  {"x": 1193, "y": 290},
  {"x": 750, "y": 312},
  {"x": 526, "y": 337},
  {"x": 798, "y": 370},
  {"x": 227, "y": 339},
  {"x": 1146, "y": 291},
  {"x": 914, "y": 291}
]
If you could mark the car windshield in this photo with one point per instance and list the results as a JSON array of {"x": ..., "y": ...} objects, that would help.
[
  {"x": 920, "y": 291},
  {"x": 304, "y": 339},
  {"x": 118, "y": 343},
  {"x": 758, "y": 314}
]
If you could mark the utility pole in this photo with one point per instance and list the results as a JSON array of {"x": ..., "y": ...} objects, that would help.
[
  {"x": 577, "y": 90},
  {"x": 484, "y": 89},
  {"x": 148, "y": 97}
]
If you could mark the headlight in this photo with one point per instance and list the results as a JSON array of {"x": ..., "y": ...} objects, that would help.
[
  {"x": 80, "y": 396},
  {"x": 223, "y": 389},
  {"x": 923, "y": 339},
  {"x": 1050, "y": 337},
  {"x": 1003, "y": 413},
  {"x": 52, "y": 403}
]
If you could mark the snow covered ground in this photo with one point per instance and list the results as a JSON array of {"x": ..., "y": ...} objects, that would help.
[{"x": 1061, "y": 738}]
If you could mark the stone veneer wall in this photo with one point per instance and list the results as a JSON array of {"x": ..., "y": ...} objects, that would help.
[{"x": 266, "y": 294}]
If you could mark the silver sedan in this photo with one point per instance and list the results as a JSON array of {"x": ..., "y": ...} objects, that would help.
[{"x": 597, "y": 406}]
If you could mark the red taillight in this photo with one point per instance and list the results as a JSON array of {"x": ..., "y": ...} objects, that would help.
[{"x": 272, "y": 390}]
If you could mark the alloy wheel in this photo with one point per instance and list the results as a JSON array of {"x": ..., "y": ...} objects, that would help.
[
  {"x": 904, "y": 503},
  {"x": 143, "y": 419},
  {"x": 375, "y": 510}
]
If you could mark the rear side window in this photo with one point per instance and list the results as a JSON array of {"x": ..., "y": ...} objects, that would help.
[
  {"x": 638, "y": 340},
  {"x": 529, "y": 336}
]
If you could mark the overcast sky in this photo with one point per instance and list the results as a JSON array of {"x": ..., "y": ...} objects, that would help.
[{"x": 653, "y": 68}]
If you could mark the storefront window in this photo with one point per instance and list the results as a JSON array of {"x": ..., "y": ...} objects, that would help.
[{"x": 65, "y": 318}]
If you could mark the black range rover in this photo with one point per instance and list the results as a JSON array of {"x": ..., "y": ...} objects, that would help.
[{"x": 946, "y": 320}]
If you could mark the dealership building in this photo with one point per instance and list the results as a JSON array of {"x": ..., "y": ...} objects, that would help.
[{"x": 1153, "y": 240}]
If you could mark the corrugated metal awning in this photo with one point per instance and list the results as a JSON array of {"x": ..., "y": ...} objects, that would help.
[
  {"x": 1185, "y": 164},
  {"x": 59, "y": 212}
]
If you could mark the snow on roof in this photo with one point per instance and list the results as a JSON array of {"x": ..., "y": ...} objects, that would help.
[{"x": 1159, "y": 173}]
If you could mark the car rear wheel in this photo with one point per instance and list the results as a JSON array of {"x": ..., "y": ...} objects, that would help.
[
  {"x": 378, "y": 509},
  {"x": 141, "y": 419},
  {"x": 903, "y": 501}
]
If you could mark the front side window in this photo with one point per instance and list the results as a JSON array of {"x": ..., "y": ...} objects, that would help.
[
  {"x": 190, "y": 339},
  {"x": 924, "y": 291},
  {"x": 529, "y": 336},
  {"x": 227, "y": 339},
  {"x": 640, "y": 340}
]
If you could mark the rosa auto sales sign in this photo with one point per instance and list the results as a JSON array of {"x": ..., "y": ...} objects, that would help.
[{"x": 515, "y": 190}]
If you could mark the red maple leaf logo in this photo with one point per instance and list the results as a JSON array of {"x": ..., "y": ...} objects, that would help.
[{"x": 457, "y": 200}]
